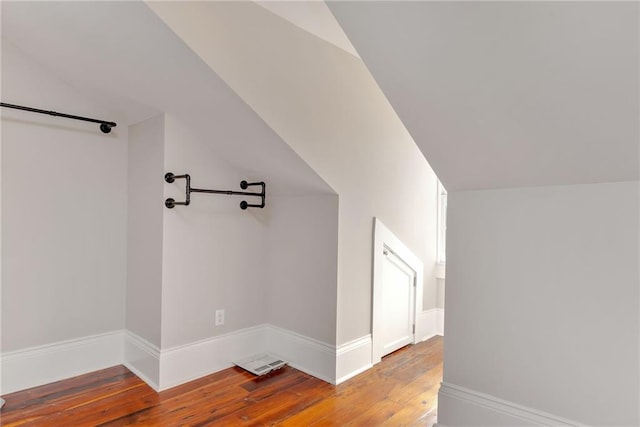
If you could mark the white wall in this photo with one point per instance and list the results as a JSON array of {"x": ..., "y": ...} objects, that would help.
[
  {"x": 1, "y": 367},
  {"x": 64, "y": 212},
  {"x": 276, "y": 265},
  {"x": 144, "y": 228},
  {"x": 440, "y": 291},
  {"x": 324, "y": 103},
  {"x": 213, "y": 252},
  {"x": 174, "y": 267},
  {"x": 543, "y": 301},
  {"x": 302, "y": 265}
]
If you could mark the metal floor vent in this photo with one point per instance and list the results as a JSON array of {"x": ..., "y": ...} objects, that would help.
[{"x": 261, "y": 364}]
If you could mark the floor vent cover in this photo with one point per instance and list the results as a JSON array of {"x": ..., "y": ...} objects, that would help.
[{"x": 261, "y": 364}]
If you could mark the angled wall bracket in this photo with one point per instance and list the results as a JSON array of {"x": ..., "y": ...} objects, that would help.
[{"x": 171, "y": 203}]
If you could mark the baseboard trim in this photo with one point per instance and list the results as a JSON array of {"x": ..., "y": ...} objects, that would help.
[
  {"x": 429, "y": 323},
  {"x": 142, "y": 358},
  {"x": 163, "y": 369},
  {"x": 188, "y": 362},
  {"x": 35, "y": 366},
  {"x": 353, "y": 358},
  {"x": 425, "y": 325},
  {"x": 459, "y": 406},
  {"x": 306, "y": 354}
]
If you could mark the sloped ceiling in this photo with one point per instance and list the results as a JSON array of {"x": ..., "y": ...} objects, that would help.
[
  {"x": 319, "y": 98},
  {"x": 508, "y": 94},
  {"x": 124, "y": 57},
  {"x": 495, "y": 94},
  {"x": 314, "y": 17}
]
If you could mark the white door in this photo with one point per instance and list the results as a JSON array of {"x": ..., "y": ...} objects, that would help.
[{"x": 397, "y": 303}]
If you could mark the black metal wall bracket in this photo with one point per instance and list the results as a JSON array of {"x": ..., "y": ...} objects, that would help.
[{"x": 171, "y": 203}]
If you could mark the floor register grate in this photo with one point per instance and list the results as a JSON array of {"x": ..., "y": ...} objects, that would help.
[{"x": 261, "y": 364}]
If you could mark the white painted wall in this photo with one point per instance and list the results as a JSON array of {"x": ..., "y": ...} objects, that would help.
[
  {"x": 543, "y": 300},
  {"x": 178, "y": 265},
  {"x": 440, "y": 291},
  {"x": 81, "y": 46},
  {"x": 399, "y": 188},
  {"x": 144, "y": 228},
  {"x": 302, "y": 263},
  {"x": 64, "y": 220},
  {"x": 1, "y": 368},
  {"x": 213, "y": 252},
  {"x": 324, "y": 103}
]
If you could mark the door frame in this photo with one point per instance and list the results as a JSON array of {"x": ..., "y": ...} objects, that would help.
[{"x": 384, "y": 239}]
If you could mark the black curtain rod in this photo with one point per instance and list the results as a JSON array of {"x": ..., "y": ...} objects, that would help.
[{"x": 105, "y": 126}]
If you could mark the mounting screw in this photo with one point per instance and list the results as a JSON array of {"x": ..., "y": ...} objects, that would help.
[
  {"x": 243, "y": 205},
  {"x": 105, "y": 128},
  {"x": 244, "y": 185},
  {"x": 169, "y": 177},
  {"x": 170, "y": 203}
]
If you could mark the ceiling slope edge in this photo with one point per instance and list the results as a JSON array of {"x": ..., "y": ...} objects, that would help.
[
  {"x": 320, "y": 99},
  {"x": 313, "y": 17},
  {"x": 509, "y": 94},
  {"x": 147, "y": 62}
]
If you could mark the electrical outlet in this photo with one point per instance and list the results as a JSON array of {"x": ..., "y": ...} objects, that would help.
[{"x": 220, "y": 317}]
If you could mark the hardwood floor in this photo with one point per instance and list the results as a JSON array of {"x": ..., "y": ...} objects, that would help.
[{"x": 400, "y": 391}]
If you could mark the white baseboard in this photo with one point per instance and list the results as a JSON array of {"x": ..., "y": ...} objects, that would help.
[
  {"x": 353, "y": 358},
  {"x": 314, "y": 357},
  {"x": 460, "y": 406},
  {"x": 426, "y": 325},
  {"x": 44, "y": 364},
  {"x": 142, "y": 358},
  {"x": 188, "y": 362},
  {"x": 163, "y": 369},
  {"x": 429, "y": 323}
]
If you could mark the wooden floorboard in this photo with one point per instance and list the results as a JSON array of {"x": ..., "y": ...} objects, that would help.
[{"x": 402, "y": 390}]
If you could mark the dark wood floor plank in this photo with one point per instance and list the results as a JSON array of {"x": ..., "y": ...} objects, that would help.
[
  {"x": 35, "y": 397},
  {"x": 51, "y": 404},
  {"x": 312, "y": 415},
  {"x": 419, "y": 407},
  {"x": 400, "y": 391},
  {"x": 105, "y": 407},
  {"x": 278, "y": 407}
]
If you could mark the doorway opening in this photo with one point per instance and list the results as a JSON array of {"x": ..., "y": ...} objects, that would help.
[{"x": 397, "y": 293}]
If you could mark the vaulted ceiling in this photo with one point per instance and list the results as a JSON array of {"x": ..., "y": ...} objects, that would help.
[
  {"x": 495, "y": 94},
  {"x": 509, "y": 94},
  {"x": 124, "y": 58}
]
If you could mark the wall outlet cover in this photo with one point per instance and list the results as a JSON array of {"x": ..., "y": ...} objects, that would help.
[{"x": 219, "y": 317}]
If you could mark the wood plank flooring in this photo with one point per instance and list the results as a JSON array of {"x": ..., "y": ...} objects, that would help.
[{"x": 400, "y": 391}]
